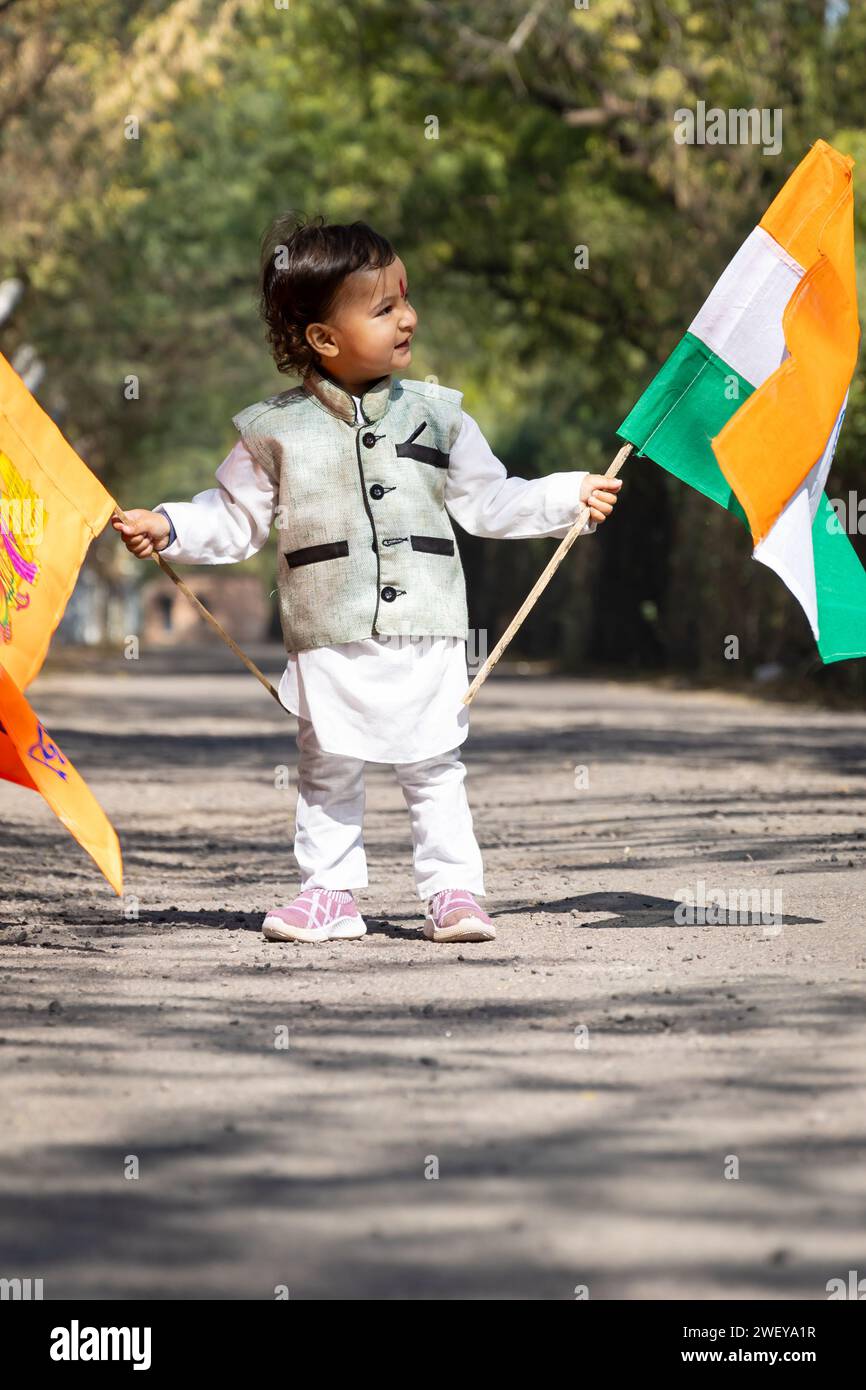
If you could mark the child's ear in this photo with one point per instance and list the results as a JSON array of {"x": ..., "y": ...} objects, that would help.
[{"x": 320, "y": 339}]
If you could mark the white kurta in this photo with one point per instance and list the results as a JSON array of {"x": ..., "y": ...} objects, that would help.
[{"x": 382, "y": 699}]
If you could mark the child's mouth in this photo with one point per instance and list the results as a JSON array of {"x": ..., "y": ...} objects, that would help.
[{"x": 404, "y": 346}]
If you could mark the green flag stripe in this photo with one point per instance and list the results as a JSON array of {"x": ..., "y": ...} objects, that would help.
[
  {"x": 685, "y": 405},
  {"x": 841, "y": 585}
]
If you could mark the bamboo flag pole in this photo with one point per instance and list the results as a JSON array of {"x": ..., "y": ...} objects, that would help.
[
  {"x": 208, "y": 617},
  {"x": 540, "y": 584}
]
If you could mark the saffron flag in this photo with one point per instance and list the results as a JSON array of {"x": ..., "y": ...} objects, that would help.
[
  {"x": 51, "y": 507},
  {"x": 748, "y": 407},
  {"x": 30, "y": 757}
]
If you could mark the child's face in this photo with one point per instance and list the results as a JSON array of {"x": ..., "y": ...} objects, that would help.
[{"x": 369, "y": 331}]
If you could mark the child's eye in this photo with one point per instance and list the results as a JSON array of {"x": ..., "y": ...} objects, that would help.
[{"x": 386, "y": 310}]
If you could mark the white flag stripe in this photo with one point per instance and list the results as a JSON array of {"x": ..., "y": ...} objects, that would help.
[
  {"x": 741, "y": 320},
  {"x": 787, "y": 547}
]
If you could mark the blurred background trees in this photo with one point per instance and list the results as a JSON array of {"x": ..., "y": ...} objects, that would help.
[{"x": 146, "y": 144}]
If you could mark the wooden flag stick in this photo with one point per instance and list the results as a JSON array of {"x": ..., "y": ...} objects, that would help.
[
  {"x": 208, "y": 617},
  {"x": 540, "y": 584}
]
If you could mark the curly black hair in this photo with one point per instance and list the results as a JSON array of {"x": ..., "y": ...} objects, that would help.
[{"x": 303, "y": 266}]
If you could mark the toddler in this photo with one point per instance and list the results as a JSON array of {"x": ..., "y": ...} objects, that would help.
[{"x": 359, "y": 469}]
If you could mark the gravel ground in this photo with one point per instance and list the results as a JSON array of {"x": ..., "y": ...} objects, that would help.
[{"x": 602, "y": 1097}]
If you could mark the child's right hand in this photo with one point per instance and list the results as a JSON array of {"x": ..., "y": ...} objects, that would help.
[{"x": 144, "y": 531}]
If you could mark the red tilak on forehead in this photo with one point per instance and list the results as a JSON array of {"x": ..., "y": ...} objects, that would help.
[{"x": 402, "y": 286}]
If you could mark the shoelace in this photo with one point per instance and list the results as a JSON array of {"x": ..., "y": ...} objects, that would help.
[
  {"x": 320, "y": 902},
  {"x": 449, "y": 899}
]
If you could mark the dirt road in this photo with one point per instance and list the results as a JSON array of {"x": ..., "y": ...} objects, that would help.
[{"x": 604, "y": 1098}]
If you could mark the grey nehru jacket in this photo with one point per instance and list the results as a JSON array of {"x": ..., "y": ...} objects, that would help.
[{"x": 364, "y": 543}]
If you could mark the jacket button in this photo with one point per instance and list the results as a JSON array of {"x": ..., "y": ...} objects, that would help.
[
  {"x": 369, "y": 439},
  {"x": 377, "y": 491},
  {"x": 389, "y": 594}
]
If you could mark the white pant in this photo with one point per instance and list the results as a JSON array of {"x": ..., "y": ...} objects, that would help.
[{"x": 329, "y": 843}]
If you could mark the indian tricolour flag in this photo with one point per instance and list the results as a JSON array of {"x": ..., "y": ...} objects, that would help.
[{"x": 748, "y": 407}]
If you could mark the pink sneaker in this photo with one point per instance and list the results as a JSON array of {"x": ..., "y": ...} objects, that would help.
[
  {"x": 316, "y": 914},
  {"x": 454, "y": 915}
]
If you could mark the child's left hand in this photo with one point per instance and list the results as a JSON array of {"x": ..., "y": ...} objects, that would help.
[{"x": 600, "y": 493}]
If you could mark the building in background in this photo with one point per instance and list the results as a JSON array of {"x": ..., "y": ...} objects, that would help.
[{"x": 118, "y": 596}]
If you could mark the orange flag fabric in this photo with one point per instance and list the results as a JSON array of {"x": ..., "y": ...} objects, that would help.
[
  {"x": 30, "y": 757},
  {"x": 769, "y": 447},
  {"x": 51, "y": 508}
]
